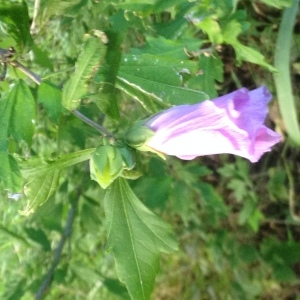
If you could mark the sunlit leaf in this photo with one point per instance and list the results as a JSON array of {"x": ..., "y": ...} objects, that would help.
[{"x": 160, "y": 76}]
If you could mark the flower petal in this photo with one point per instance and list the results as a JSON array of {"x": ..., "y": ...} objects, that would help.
[{"x": 229, "y": 124}]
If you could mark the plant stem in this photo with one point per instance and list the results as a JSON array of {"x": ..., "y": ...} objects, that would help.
[
  {"x": 90, "y": 122},
  {"x": 37, "y": 79},
  {"x": 282, "y": 78},
  {"x": 57, "y": 253}
]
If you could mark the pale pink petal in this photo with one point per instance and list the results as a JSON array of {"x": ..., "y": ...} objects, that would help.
[{"x": 229, "y": 124}]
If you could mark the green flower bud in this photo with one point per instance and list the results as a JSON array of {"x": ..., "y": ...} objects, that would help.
[
  {"x": 106, "y": 165},
  {"x": 138, "y": 135}
]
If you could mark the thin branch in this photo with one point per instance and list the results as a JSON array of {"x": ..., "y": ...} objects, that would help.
[
  {"x": 57, "y": 253},
  {"x": 95, "y": 125},
  {"x": 38, "y": 80}
]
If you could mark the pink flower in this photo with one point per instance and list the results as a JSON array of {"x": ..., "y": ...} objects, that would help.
[{"x": 233, "y": 123}]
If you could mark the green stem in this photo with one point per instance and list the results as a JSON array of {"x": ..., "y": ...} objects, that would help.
[
  {"x": 282, "y": 78},
  {"x": 37, "y": 79}
]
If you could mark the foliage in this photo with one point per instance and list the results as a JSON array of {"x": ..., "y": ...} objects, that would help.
[{"x": 89, "y": 70}]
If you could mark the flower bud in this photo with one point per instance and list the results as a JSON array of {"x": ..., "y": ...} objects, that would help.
[
  {"x": 138, "y": 135},
  {"x": 106, "y": 165}
]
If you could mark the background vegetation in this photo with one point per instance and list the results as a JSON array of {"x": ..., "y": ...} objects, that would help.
[{"x": 237, "y": 224}]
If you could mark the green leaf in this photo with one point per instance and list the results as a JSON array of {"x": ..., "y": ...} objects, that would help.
[
  {"x": 43, "y": 176},
  {"x": 40, "y": 189},
  {"x": 19, "y": 111},
  {"x": 50, "y": 96},
  {"x": 170, "y": 48},
  {"x": 89, "y": 59},
  {"x": 15, "y": 16},
  {"x": 161, "y": 77},
  {"x": 135, "y": 236},
  {"x": 39, "y": 236},
  {"x": 10, "y": 174},
  {"x": 148, "y": 100},
  {"x": 230, "y": 32},
  {"x": 41, "y": 57},
  {"x": 61, "y": 7},
  {"x": 212, "y": 28},
  {"x": 108, "y": 73},
  {"x": 145, "y": 6},
  {"x": 279, "y": 3},
  {"x": 249, "y": 54},
  {"x": 212, "y": 70}
]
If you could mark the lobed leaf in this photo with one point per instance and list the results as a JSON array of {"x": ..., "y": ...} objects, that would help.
[{"x": 135, "y": 236}]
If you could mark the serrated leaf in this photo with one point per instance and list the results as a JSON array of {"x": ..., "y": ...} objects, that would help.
[
  {"x": 43, "y": 176},
  {"x": 135, "y": 236},
  {"x": 158, "y": 76},
  {"x": 89, "y": 59}
]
